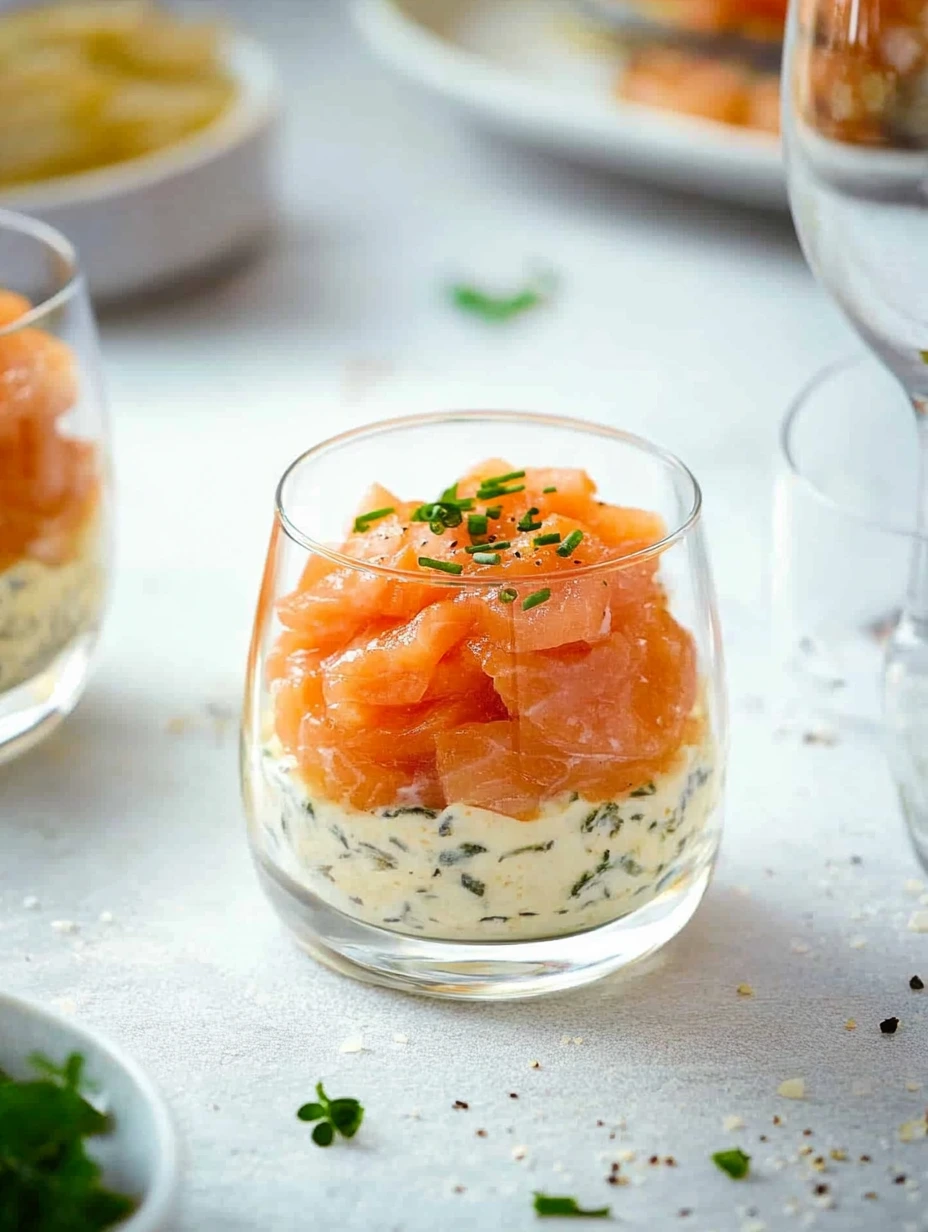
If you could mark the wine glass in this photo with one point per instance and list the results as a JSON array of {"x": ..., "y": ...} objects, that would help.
[
  {"x": 855, "y": 91},
  {"x": 54, "y": 483},
  {"x": 480, "y": 758}
]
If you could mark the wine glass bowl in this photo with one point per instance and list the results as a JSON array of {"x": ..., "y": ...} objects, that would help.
[{"x": 855, "y": 123}]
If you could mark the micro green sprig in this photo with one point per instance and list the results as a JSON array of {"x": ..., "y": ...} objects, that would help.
[{"x": 333, "y": 1116}]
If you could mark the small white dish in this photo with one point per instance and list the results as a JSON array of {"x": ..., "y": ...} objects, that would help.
[
  {"x": 140, "y": 1156},
  {"x": 143, "y": 223},
  {"x": 510, "y": 64}
]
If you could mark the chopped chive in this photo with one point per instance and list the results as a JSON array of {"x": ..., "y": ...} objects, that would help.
[
  {"x": 491, "y": 493},
  {"x": 542, "y": 541},
  {"x": 507, "y": 595},
  {"x": 437, "y": 528},
  {"x": 476, "y": 524},
  {"x": 486, "y": 558},
  {"x": 539, "y": 597},
  {"x": 473, "y": 548},
  {"x": 548, "y": 490},
  {"x": 494, "y": 511},
  {"x": 573, "y": 540},
  {"x": 363, "y": 520},
  {"x": 450, "y": 494},
  {"x": 444, "y": 566},
  {"x": 495, "y": 480},
  {"x": 527, "y": 521}
]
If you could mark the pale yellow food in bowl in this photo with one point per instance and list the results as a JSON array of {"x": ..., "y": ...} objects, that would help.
[{"x": 87, "y": 84}]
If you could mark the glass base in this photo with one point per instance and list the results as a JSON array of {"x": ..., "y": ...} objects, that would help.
[
  {"x": 478, "y": 971},
  {"x": 33, "y": 710}
]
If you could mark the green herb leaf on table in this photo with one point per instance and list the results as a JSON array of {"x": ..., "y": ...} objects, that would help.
[
  {"x": 734, "y": 1162},
  {"x": 343, "y": 1116},
  {"x": 550, "y": 1207},
  {"x": 497, "y": 309},
  {"x": 48, "y": 1182}
]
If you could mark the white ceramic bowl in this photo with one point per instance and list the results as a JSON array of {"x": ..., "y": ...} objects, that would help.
[
  {"x": 143, "y": 223},
  {"x": 140, "y": 1156}
]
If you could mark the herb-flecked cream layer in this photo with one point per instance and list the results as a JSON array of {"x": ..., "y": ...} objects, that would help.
[
  {"x": 43, "y": 608},
  {"x": 466, "y": 873}
]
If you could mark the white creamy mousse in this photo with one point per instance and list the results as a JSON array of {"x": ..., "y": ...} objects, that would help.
[
  {"x": 43, "y": 608},
  {"x": 467, "y": 873}
]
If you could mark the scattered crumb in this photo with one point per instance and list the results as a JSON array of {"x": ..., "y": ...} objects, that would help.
[
  {"x": 733, "y": 1122},
  {"x": 745, "y": 990},
  {"x": 354, "y": 1043},
  {"x": 513, "y": 1095},
  {"x": 578, "y": 1039},
  {"x": 399, "y": 1038},
  {"x": 918, "y": 922},
  {"x": 534, "y": 1065},
  {"x": 870, "y": 1195},
  {"x": 913, "y": 1086},
  {"x": 481, "y": 1133},
  {"x": 851, "y": 1024},
  {"x": 459, "y": 1189},
  {"x": 889, "y": 1026},
  {"x": 916, "y": 983},
  {"x": 65, "y": 926},
  {"x": 519, "y": 1152},
  {"x": 792, "y": 1088},
  {"x": 461, "y": 1105},
  {"x": 914, "y": 887},
  {"x": 106, "y": 917},
  {"x": 858, "y": 943},
  {"x": 31, "y": 903},
  {"x": 626, "y": 1156},
  {"x": 799, "y": 947},
  {"x": 839, "y": 1154},
  {"x": 818, "y": 1164},
  {"x": 913, "y": 1131},
  {"x": 823, "y": 737}
]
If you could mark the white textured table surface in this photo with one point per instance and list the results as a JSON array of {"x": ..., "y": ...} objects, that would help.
[{"x": 687, "y": 321}]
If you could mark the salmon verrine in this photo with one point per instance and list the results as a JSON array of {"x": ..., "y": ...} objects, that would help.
[
  {"x": 50, "y": 581},
  {"x": 498, "y": 676}
]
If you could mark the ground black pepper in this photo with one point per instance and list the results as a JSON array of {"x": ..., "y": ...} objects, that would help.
[{"x": 459, "y": 1103}]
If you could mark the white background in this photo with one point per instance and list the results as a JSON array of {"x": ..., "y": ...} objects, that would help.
[{"x": 688, "y": 321}]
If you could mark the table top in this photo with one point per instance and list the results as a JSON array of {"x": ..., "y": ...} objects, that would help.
[{"x": 687, "y": 321}]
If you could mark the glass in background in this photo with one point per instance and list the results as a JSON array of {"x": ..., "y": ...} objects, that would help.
[{"x": 54, "y": 483}]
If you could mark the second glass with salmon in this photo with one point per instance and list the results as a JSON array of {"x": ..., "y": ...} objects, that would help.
[{"x": 484, "y": 738}]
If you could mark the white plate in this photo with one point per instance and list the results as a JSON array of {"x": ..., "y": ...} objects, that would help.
[
  {"x": 511, "y": 64},
  {"x": 145, "y": 222},
  {"x": 140, "y": 1156}
]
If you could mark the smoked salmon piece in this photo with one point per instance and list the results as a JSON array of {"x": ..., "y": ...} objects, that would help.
[
  {"x": 491, "y": 648},
  {"x": 49, "y": 482}
]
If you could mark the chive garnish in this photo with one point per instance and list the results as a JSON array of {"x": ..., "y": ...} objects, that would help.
[
  {"x": 539, "y": 597},
  {"x": 495, "y": 480},
  {"x": 494, "y": 511},
  {"x": 486, "y": 558},
  {"x": 542, "y": 541},
  {"x": 547, "y": 491},
  {"x": 476, "y": 524},
  {"x": 450, "y": 494},
  {"x": 363, "y": 520},
  {"x": 573, "y": 540},
  {"x": 491, "y": 493},
  {"x": 527, "y": 521},
  {"x": 474, "y": 548},
  {"x": 507, "y": 595},
  {"x": 444, "y": 566}
]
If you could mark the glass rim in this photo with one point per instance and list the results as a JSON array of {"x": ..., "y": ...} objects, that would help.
[
  {"x": 383, "y": 427},
  {"x": 42, "y": 233},
  {"x": 797, "y": 405}
]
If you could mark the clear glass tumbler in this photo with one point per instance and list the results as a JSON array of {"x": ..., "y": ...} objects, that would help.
[
  {"x": 484, "y": 736},
  {"x": 54, "y": 483},
  {"x": 843, "y": 532}
]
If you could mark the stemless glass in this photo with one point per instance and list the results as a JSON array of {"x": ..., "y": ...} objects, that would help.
[
  {"x": 54, "y": 483},
  {"x": 855, "y": 91},
  {"x": 493, "y": 778}
]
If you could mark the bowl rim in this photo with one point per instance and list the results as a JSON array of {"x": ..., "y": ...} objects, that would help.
[
  {"x": 256, "y": 105},
  {"x": 586, "y": 427},
  {"x": 158, "y": 1201}
]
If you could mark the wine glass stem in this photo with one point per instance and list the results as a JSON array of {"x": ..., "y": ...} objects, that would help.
[{"x": 915, "y": 611}]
